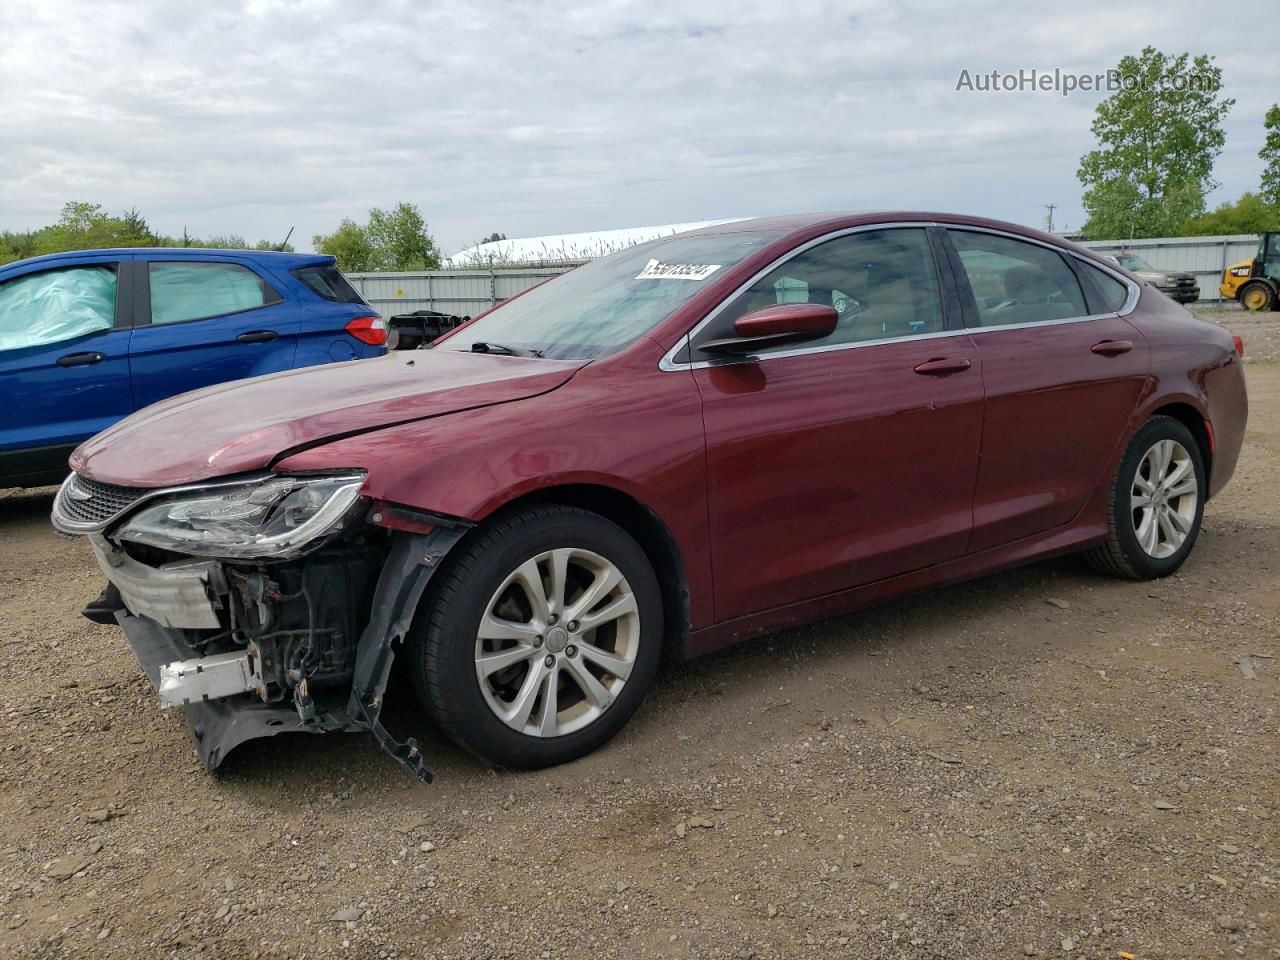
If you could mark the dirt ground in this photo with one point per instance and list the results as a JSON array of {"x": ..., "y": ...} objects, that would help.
[{"x": 1042, "y": 763}]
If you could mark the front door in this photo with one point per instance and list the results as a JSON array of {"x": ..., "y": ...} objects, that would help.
[
  {"x": 847, "y": 460},
  {"x": 64, "y": 362},
  {"x": 1062, "y": 380}
]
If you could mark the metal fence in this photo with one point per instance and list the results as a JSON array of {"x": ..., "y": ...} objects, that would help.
[
  {"x": 1206, "y": 257},
  {"x": 464, "y": 293},
  {"x": 460, "y": 293}
]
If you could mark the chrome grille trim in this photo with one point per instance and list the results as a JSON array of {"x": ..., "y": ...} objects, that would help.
[
  {"x": 74, "y": 515},
  {"x": 89, "y": 503}
]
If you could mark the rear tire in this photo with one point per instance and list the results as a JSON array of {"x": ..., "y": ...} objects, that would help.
[
  {"x": 512, "y": 652},
  {"x": 1156, "y": 504}
]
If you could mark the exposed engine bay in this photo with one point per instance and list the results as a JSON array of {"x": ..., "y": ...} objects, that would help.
[{"x": 250, "y": 648}]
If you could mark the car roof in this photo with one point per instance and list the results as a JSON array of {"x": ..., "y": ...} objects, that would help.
[
  {"x": 806, "y": 222},
  {"x": 286, "y": 260}
]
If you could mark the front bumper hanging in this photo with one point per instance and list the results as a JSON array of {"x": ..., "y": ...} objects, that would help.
[{"x": 219, "y": 721}]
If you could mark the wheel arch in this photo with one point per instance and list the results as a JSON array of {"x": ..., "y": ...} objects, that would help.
[
  {"x": 1194, "y": 420},
  {"x": 649, "y": 531}
]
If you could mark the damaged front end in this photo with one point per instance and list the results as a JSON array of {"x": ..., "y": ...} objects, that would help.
[{"x": 264, "y": 604}]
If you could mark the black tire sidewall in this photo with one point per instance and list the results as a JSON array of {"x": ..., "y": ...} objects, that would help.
[
  {"x": 455, "y": 698},
  {"x": 1159, "y": 428}
]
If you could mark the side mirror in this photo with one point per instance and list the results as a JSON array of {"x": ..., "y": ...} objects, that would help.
[{"x": 775, "y": 326}]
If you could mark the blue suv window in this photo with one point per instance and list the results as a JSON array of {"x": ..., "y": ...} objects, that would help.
[
  {"x": 56, "y": 305},
  {"x": 329, "y": 283},
  {"x": 196, "y": 291}
]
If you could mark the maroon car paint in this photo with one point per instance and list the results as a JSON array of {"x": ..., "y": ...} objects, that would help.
[
  {"x": 626, "y": 426},
  {"x": 810, "y": 490},
  {"x": 793, "y": 488},
  {"x": 1035, "y": 479},
  {"x": 244, "y": 425}
]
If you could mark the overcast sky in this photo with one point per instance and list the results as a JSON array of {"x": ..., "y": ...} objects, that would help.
[{"x": 252, "y": 116}]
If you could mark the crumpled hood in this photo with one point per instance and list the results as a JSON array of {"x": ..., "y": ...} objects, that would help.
[{"x": 246, "y": 424}]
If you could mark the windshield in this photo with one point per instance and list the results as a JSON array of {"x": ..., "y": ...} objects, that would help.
[
  {"x": 606, "y": 304},
  {"x": 1135, "y": 263}
]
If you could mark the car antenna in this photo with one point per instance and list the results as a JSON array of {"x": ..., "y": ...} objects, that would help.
[{"x": 285, "y": 242}]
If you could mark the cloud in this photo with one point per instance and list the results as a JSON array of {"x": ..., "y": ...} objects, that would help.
[{"x": 254, "y": 116}]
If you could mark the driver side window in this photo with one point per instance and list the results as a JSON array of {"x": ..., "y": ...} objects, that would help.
[{"x": 882, "y": 284}]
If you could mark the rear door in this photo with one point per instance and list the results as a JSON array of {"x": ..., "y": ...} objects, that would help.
[
  {"x": 207, "y": 320},
  {"x": 1062, "y": 372},
  {"x": 64, "y": 361}
]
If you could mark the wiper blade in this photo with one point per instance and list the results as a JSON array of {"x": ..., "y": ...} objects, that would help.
[{"x": 481, "y": 346}]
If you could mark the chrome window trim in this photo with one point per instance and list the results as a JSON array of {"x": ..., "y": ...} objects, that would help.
[{"x": 668, "y": 362}]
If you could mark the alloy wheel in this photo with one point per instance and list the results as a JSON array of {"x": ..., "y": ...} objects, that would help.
[
  {"x": 1164, "y": 499},
  {"x": 557, "y": 642}
]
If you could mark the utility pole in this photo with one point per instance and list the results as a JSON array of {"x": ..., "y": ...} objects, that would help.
[{"x": 1049, "y": 219}]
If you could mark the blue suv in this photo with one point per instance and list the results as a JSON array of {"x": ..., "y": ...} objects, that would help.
[{"x": 88, "y": 337}]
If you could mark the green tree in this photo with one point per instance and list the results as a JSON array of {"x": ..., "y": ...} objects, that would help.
[
  {"x": 1270, "y": 154},
  {"x": 400, "y": 240},
  {"x": 86, "y": 226},
  {"x": 227, "y": 241},
  {"x": 1157, "y": 139},
  {"x": 272, "y": 245},
  {"x": 16, "y": 246},
  {"x": 394, "y": 239},
  {"x": 1250, "y": 214},
  {"x": 350, "y": 244},
  {"x": 134, "y": 230},
  {"x": 494, "y": 237}
]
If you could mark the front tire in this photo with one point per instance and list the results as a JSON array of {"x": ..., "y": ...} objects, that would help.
[
  {"x": 541, "y": 638},
  {"x": 1156, "y": 504}
]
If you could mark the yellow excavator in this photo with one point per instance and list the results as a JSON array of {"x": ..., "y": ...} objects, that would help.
[{"x": 1256, "y": 283}]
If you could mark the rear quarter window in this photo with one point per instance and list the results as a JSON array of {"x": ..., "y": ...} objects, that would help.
[
  {"x": 1110, "y": 293},
  {"x": 328, "y": 282}
]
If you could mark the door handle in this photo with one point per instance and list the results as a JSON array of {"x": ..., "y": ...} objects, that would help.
[
  {"x": 81, "y": 359},
  {"x": 257, "y": 336},
  {"x": 941, "y": 367},
  {"x": 1112, "y": 348}
]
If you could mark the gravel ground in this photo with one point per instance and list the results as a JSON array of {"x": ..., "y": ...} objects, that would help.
[
  {"x": 1043, "y": 763},
  {"x": 1260, "y": 331}
]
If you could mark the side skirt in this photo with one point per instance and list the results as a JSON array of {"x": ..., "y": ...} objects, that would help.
[{"x": 1064, "y": 540}]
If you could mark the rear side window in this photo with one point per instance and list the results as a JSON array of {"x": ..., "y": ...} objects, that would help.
[
  {"x": 328, "y": 282},
  {"x": 56, "y": 305},
  {"x": 1016, "y": 282},
  {"x": 196, "y": 291},
  {"x": 1110, "y": 292}
]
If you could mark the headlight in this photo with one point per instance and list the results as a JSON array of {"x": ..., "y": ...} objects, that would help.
[{"x": 273, "y": 517}]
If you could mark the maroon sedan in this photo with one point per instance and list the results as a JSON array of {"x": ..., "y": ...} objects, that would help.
[{"x": 664, "y": 451}]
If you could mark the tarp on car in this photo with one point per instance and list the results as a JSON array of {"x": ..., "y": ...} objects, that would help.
[{"x": 56, "y": 305}]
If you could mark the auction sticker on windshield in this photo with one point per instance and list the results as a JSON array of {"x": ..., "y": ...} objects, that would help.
[{"x": 657, "y": 270}]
